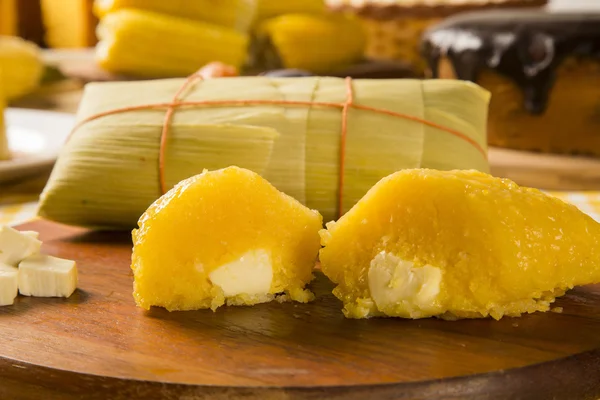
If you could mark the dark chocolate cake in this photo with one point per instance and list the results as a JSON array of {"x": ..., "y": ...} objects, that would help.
[
  {"x": 394, "y": 27},
  {"x": 543, "y": 70}
]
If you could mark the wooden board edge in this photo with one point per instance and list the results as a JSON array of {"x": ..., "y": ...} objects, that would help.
[
  {"x": 545, "y": 171},
  {"x": 569, "y": 378}
]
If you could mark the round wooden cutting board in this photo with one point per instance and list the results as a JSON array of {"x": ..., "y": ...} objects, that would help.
[{"x": 98, "y": 345}]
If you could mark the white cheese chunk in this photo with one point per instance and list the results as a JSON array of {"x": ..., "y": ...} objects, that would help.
[
  {"x": 251, "y": 274},
  {"x": 46, "y": 276},
  {"x": 16, "y": 246},
  {"x": 8, "y": 284},
  {"x": 402, "y": 290}
]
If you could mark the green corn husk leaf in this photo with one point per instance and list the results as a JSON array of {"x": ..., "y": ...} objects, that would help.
[{"x": 107, "y": 174}]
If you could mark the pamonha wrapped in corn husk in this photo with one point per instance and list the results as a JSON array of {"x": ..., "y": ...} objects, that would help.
[{"x": 107, "y": 174}]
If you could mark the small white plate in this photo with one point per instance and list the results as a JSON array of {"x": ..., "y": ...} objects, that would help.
[{"x": 35, "y": 138}]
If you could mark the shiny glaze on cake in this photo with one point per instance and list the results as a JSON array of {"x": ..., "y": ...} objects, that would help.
[{"x": 525, "y": 46}]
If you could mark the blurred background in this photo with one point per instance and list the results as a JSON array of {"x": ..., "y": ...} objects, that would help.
[
  {"x": 90, "y": 40},
  {"x": 540, "y": 60},
  {"x": 137, "y": 39}
]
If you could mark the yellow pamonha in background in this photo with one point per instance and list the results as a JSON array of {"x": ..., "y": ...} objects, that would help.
[
  {"x": 149, "y": 44},
  {"x": 69, "y": 24},
  {"x": 457, "y": 244},
  {"x": 250, "y": 35},
  {"x": 317, "y": 43},
  {"x": 8, "y": 17},
  {"x": 21, "y": 70},
  {"x": 21, "y": 66},
  {"x": 273, "y": 8},
  {"x": 234, "y": 14},
  {"x": 224, "y": 237}
]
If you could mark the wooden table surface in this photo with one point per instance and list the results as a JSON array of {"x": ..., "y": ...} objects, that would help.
[{"x": 98, "y": 345}]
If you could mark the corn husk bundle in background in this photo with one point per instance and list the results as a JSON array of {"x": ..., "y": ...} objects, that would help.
[
  {"x": 21, "y": 66},
  {"x": 22, "y": 18},
  {"x": 107, "y": 174},
  {"x": 149, "y": 44},
  {"x": 317, "y": 43},
  {"x": 175, "y": 38},
  {"x": 8, "y": 17},
  {"x": 52, "y": 23},
  {"x": 234, "y": 14},
  {"x": 69, "y": 24}
]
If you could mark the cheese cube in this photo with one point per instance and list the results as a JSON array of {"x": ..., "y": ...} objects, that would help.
[
  {"x": 46, "y": 276},
  {"x": 400, "y": 289},
  {"x": 251, "y": 274},
  {"x": 16, "y": 246},
  {"x": 8, "y": 284}
]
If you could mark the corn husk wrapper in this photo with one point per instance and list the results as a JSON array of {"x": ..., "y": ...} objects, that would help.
[
  {"x": 107, "y": 174},
  {"x": 314, "y": 43}
]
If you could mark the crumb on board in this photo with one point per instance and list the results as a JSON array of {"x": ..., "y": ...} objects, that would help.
[{"x": 282, "y": 298}]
